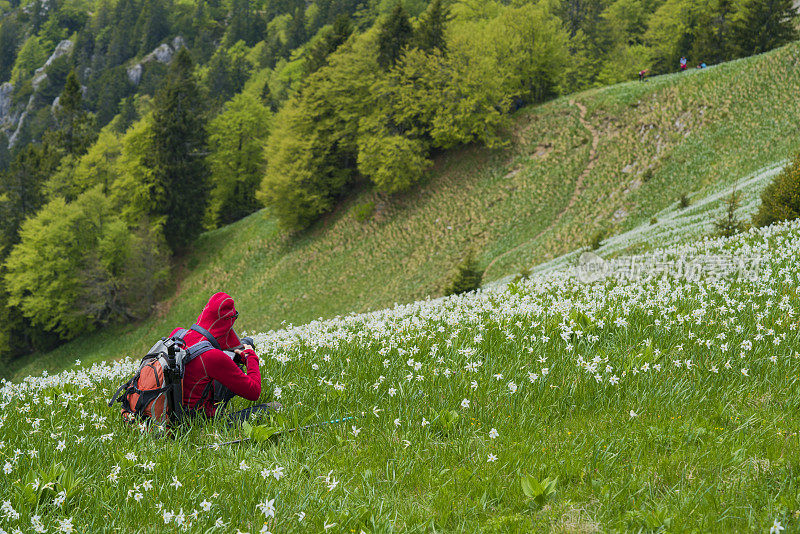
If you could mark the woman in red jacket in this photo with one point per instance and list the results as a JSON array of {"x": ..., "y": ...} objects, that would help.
[{"x": 212, "y": 378}]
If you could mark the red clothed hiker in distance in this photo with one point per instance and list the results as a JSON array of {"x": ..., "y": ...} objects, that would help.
[{"x": 218, "y": 317}]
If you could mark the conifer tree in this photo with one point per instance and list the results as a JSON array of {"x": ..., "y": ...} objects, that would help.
[
  {"x": 84, "y": 47},
  {"x": 179, "y": 186},
  {"x": 227, "y": 72},
  {"x": 70, "y": 100},
  {"x": 122, "y": 44},
  {"x": 153, "y": 25},
  {"x": 75, "y": 129},
  {"x": 240, "y": 27},
  {"x": 9, "y": 33},
  {"x": 271, "y": 52},
  {"x": 394, "y": 34},
  {"x": 205, "y": 33},
  {"x": 38, "y": 13},
  {"x": 430, "y": 33},
  {"x": 765, "y": 24},
  {"x": 296, "y": 34},
  {"x": 729, "y": 224},
  {"x": 267, "y": 99},
  {"x": 52, "y": 33},
  {"x": 318, "y": 55},
  {"x": 127, "y": 114},
  {"x": 21, "y": 186}
]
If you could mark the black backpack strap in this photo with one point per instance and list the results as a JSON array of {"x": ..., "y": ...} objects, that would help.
[
  {"x": 117, "y": 396},
  {"x": 203, "y": 397},
  {"x": 211, "y": 339}
]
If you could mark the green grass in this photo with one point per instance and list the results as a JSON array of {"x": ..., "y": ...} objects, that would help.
[
  {"x": 507, "y": 204},
  {"x": 657, "y": 404},
  {"x": 660, "y": 404}
]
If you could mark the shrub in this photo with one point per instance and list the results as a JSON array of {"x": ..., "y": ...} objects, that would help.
[
  {"x": 597, "y": 239},
  {"x": 780, "y": 201},
  {"x": 465, "y": 277},
  {"x": 524, "y": 274},
  {"x": 364, "y": 211},
  {"x": 653, "y": 220},
  {"x": 683, "y": 201}
]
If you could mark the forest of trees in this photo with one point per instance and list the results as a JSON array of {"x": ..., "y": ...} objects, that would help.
[{"x": 132, "y": 125}]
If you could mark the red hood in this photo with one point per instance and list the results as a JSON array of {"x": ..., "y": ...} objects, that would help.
[{"x": 217, "y": 317}]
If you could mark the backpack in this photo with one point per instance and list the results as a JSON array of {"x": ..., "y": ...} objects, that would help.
[{"x": 154, "y": 393}]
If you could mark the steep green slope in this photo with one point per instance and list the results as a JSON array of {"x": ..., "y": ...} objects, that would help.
[{"x": 565, "y": 174}]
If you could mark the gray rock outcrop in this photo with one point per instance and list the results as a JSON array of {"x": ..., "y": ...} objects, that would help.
[
  {"x": 6, "y": 90},
  {"x": 163, "y": 53},
  {"x": 63, "y": 48}
]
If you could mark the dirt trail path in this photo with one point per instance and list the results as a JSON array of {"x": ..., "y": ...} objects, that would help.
[{"x": 578, "y": 184}]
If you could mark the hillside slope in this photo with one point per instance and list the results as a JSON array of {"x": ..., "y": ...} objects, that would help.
[
  {"x": 604, "y": 159},
  {"x": 659, "y": 403}
]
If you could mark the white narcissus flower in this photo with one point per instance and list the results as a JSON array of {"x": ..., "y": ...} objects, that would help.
[
  {"x": 37, "y": 525},
  {"x": 493, "y": 433},
  {"x": 267, "y": 507},
  {"x": 65, "y": 526},
  {"x": 277, "y": 472},
  {"x": 465, "y": 403}
]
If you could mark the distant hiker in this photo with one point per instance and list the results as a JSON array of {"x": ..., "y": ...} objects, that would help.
[
  {"x": 643, "y": 75},
  {"x": 701, "y": 66},
  {"x": 683, "y": 63},
  {"x": 213, "y": 377}
]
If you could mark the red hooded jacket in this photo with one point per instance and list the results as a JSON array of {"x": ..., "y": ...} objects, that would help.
[{"x": 218, "y": 317}]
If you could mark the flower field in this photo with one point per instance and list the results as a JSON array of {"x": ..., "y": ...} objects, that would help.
[
  {"x": 645, "y": 144},
  {"x": 663, "y": 402}
]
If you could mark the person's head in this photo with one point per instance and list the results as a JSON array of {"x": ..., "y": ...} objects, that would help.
[{"x": 218, "y": 317}]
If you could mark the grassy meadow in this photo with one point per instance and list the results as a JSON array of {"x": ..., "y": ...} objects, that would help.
[
  {"x": 516, "y": 207},
  {"x": 665, "y": 402}
]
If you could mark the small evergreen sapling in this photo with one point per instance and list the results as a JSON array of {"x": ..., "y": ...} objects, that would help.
[
  {"x": 466, "y": 277},
  {"x": 730, "y": 224}
]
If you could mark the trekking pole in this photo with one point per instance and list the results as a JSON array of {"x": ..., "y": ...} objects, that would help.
[{"x": 287, "y": 431}]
